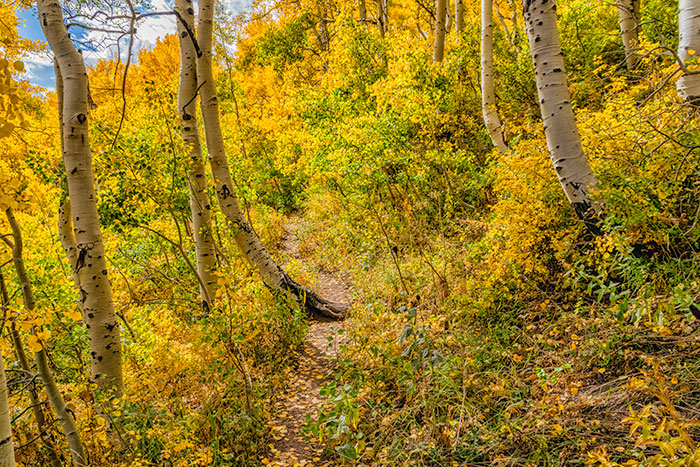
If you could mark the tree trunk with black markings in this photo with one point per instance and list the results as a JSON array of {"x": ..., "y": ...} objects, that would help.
[
  {"x": 439, "y": 40},
  {"x": 246, "y": 238},
  {"x": 488, "y": 96},
  {"x": 628, "y": 10},
  {"x": 570, "y": 163},
  {"x": 91, "y": 267},
  {"x": 200, "y": 205},
  {"x": 70, "y": 431},
  {"x": 688, "y": 85}
]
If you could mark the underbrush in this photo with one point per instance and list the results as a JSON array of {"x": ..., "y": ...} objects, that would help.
[
  {"x": 507, "y": 335},
  {"x": 199, "y": 385}
]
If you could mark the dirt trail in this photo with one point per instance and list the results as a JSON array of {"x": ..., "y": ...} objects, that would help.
[{"x": 301, "y": 397}]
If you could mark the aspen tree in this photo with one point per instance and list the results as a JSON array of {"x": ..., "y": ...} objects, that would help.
[
  {"x": 459, "y": 16},
  {"x": 688, "y": 86},
  {"x": 7, "y": 447},
  {"x": 70, "y": 430},
  {"x": 91, "y": 267},
  {"x": 246, "y": 238},
  {"x": 563, "y": 141},
  {"x": 35, "y": 403},
  {"x": 200, "y": 205},
  {"x": 382, "y": 16},
  {"x": 488, "y": 97},
  {"x": 362, "y": 11},
  {"x": 439, "y": 44},
  {"x": 448, "y": 17},
  {"x": 65, "y": 225},
  {"x": 628, "y": 11}
]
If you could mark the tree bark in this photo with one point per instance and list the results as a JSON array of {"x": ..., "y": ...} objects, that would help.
[
  {"x": 448, "y": 17},
  {"x": 362, "y": 11},
  {"x": 7, "y": 446},
  {"x": 36, "y": 404},
  {"x": 65, "y": 225},
  {"x": 246, "y": 238},
  {"x": 381, "y": 17},
  {"x": 200, "y": 205},
  {"x": 570, "y": 163},
  {"x": 488, "y": 96},
  {"x": 55, "y": 397},
  {"x": 459, "y": 16},
  {"x": 688, "y": 86},
  {"x": 628, "y": 11},
  {"x": 439, "y": 44},
  {"x": 91, "y": 267}
]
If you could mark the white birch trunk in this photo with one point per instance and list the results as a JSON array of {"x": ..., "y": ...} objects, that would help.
[
  {"x": 628, "y": 11},
  {"x": 200, "y": 205},
  {"x": 688, "y": 86},
  {"x": 246, "y": 238},
  {"x": 91, "y": 267},
  {"x": 570, "y": 163},
  {"x": 439, "y": 44},
  {"x": 488, "y": 96}
]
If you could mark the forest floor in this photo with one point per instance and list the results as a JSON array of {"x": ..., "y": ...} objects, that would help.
[{"x": 301, "y": 398}]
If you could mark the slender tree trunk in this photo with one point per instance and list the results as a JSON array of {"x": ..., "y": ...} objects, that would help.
[
  {"x": 7, "y": 446},
  {"x": 629, "y": 27},
  {"x": 55, "y": 397},
  {"x": 246, "y": 239},
  {"x": 570, "y": 163},
  {"x": 448, "y": 17},
  {"x": 200, "y": 205},
  {"x": 459, "y": 16},
  {"x": 91, "y": 267},
  {"x": 65, "y": 225},
  {"x": 36, "y": 404},
  {"x": 488, "y": 97},
  {"x": 381, "y": 17},
  {"x": 439, "y": 44},
  {"x": 688, "y": 86},
  {"x": 362, "y": 10}
]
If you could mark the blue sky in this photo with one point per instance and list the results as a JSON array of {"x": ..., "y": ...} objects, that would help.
[{"x": 40, "y": 68}]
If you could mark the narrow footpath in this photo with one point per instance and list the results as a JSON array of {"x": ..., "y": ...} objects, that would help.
[{"x": 301, "y": 397}]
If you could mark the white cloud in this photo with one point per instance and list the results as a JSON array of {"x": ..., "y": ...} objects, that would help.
[{"x": 38, "y": 68}]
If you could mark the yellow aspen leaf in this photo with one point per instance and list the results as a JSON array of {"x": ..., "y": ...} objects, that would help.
[
  {"x": 44, "y": 335},
  {"x": 34, "y": 343}
]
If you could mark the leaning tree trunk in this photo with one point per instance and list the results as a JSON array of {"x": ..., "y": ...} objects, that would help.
[
  {"x": 629, "y": 27},
  {"x": 688, "y": 86},
  {"x": 488, "y": 96},
  {"x": 574, "y": 172},
  {"x": 459, "y": 16},
  {"x": 200, "y": 205},
  {"x": 439, "y": 44},
  {"x": 246, "y": 238},
  {"x": 7, "y": 446},
  {"x": 91, "y": 267},
  {"x": 55, "y": 397},
  {"x": 35, "y": 403}
]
